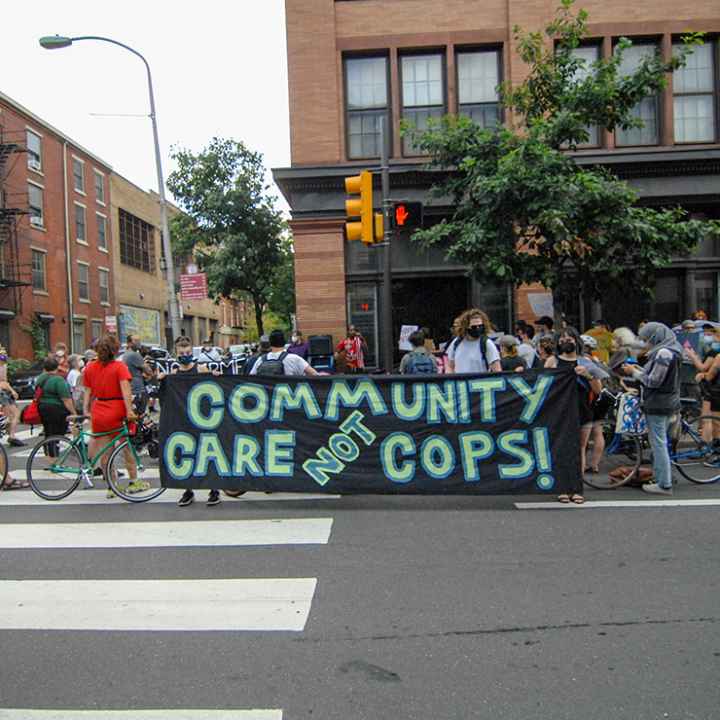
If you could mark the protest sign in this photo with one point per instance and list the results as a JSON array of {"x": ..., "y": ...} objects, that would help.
[{"x": 494, "y": 433}]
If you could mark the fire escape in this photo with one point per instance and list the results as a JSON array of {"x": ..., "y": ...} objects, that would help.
[{"x": 12, "y": 208}]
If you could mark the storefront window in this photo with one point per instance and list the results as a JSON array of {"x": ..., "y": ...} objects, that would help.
[{"x": 362, "y": 313}]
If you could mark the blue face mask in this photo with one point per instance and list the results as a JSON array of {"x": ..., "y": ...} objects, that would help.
[
  {"x": 185, "y": 359},
  {"x": 715, "y": 346}
]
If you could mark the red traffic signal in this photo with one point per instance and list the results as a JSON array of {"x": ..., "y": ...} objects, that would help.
[{"x": 407, "y": 215}]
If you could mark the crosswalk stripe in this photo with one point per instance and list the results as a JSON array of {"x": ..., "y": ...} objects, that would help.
[
  {"x": 267, "y": 604},
  {"x": 26, "y": 498},
  {"x": 28, "y": 714},
  {"x": 291, "y": 531},
  {"x": 708, "y": 502}
]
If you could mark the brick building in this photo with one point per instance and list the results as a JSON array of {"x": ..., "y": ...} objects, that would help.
[
  {"x": 140, "y": 279},
  {"x": 55, "y": 235},
  {"x": 354, "y": 61}
]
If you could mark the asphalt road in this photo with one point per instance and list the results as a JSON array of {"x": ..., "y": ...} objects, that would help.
[{"x": 438, "y": 608}]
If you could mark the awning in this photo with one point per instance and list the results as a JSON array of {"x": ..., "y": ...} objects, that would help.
[
  {"x": 45, "y": 317},
  {"x": 7, "y": 313}
]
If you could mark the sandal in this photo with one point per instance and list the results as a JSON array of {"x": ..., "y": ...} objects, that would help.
[
  {"x": 577, "y": 499},
  {"x": 563, "y": 498},
  {"x": 15, "y": 484}
]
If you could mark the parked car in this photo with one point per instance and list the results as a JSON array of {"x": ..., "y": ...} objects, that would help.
[{"x": 23, "y": 381}]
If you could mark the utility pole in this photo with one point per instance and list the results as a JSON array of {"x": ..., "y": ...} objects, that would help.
[{"x": 388, "y": 353}]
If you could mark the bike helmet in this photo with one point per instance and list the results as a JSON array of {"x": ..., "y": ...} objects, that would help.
[{"x": 589, "y": 342}]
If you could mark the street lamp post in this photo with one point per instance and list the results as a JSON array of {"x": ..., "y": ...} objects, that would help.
[{"x": 55, "y": 42}]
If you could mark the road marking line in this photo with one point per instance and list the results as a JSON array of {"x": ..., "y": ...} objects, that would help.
[
  {"x": 27, "y": 714},
  {"x": 223, "y": 533},
  {"x": 709, "y": 502},
  {"x": 268, "y": 604},
  {"x": 27, "y": 498}
]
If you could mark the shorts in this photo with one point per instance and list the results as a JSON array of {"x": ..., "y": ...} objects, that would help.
[
  {"x": 715, "y": 400},
  {"x": 6, "y": 398}
]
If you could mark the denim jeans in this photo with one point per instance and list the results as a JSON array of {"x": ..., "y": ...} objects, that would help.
[{"x": 657, "y": 431}]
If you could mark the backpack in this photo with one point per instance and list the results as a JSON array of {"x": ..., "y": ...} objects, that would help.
[
  {"x": 31, "y": 413},
  {"x": 483, "y": 348},
  {"x": 271, "y": 367},
  {"x": 419, "y": 364}
]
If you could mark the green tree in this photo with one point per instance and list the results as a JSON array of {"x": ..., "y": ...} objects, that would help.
[
  {"x": 281, "y": 299},
  {"x": 229, "y": 222},
  {"x": 524, "y": 210}
]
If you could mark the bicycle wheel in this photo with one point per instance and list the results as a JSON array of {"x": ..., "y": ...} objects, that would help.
[
  {"x": 4, "y": 465},
  {"x": 135, "y": 479},
  {"x": 54, "y": 468},
  {"x": 695, "y": 459},
  {"x": 619, "y": 465}
]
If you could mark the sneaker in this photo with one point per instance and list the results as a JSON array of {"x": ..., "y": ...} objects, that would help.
[
  {"x": 15, "y": 442},
  {"x": 110, "y": 495},
  {"x": 214, "y": 497},
  {"x": 137, "y": 486},
  {"x": 655, "y": 489},
  {"x": 187, "y": 498}
]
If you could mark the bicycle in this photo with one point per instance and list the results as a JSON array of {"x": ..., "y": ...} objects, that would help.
[
  {"x": 4, "y": 464},
  {"x": 695, "y": 459},
  {"x": 59, "y": 463}
]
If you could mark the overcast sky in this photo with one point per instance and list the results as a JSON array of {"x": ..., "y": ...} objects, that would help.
[{"x": 219, "y": 69}]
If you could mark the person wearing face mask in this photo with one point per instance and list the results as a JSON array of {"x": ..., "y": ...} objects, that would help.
[
  {"x": 299, "y": 345},
  {"x": 354, "y": 348},
  {"x": 61, "y": 355},
  {"x": 589, "y": 384},
  {"x": 708, "y": 379},
  {"x": 660, "y": 380},
  {"x": 472, "y": 351}
]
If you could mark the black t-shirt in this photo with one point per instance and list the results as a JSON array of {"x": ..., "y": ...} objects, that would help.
[
  {"x": 512, "y": 363},
  {"x": 585, "y": 411}
]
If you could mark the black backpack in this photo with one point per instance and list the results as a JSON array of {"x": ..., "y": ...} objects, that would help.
[
  {"x": 271, "y": 367},
  {"x": 483, "y": 348}
]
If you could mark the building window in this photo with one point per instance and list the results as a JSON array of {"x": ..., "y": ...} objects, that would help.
[
  {"x": 101, "y": 231},
  {"x": 588, "y": 54},
  {"x": 79, "y": 335},
  {"x": 478, "y": 81},
  {"x": 423, "y": 93},
  {"x": 99, "y": 187},
  {"x": 78, "y": 167},
  {"x": 34, "y": 150},
  {"x": 96, "y": 329},
  {"x": 137, "y": 242},
  {"x": 104, "y": 282},
  {"x": 366, "y": 83},
  {"x": 646, "y": 109},
  {"x": 35, "y": 205},
  {"x": 694, "y": 96},
  {"x": 83, "y": 281},
  {"x": 39, "y": 278},
  {"x": 80, "y": 235}
]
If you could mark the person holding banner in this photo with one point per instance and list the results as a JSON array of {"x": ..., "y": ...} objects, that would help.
[
  {"x": 569, "y": 347},
  {"x": 472, "y": 351}
]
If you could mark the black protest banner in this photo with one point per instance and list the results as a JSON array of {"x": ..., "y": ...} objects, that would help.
[{"x": 497, "y": 433}]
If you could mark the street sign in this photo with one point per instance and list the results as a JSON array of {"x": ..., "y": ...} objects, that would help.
[
  {"x": 193, "y": 287},
  {"x": 407, "y": 215}
]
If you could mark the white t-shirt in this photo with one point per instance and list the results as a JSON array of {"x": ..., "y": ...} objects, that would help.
[
  {"x": 467, "y": 355},
  {"x": 526, "y": 352},
  {"x": 293, "y": 364},
  {"x": 72, "y": 378}
]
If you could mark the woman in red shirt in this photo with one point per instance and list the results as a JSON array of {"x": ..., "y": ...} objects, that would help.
[{"x": 108, "y": 400}]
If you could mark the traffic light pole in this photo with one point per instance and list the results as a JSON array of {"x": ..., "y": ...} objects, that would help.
[{"x": 388, "y": 353}]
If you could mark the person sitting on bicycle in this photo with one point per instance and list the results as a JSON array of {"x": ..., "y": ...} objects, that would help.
[
  {"x": 108, "y": 401},
  {"x": 660, "y": 379}
]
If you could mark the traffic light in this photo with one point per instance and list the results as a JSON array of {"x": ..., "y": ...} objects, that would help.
[
  {"x": 360, "y": 207},
  {"x": 408, "y": 215}
]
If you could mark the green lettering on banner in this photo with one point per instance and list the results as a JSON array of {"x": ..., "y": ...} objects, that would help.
[
  {"x": 353, "y": 423},
  {"x": 405, "y": 471},
  {"x": 533, "y": 397},
  {"x": 214, "y": 393},
  {"x": 364, "y": 391},
  {"x": 441, "y": 399},
  {"x": 185, "y": 444},
  {"x": 321, "y": 467},
  {"x": 401, "y": 408},
  {"x": 257, "y": 394},
  {"x": 210, "y": 451},
  {"x": 474, "y": 446},
  {"x": 437, "y": 457},
  {"x": 510, "y": 442},
  {"x": 245, "y": 453},
  {"x": 487, "y": 387},
  {"x": 279, "y": 453},
  {"x": 286, "y": 397}
]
